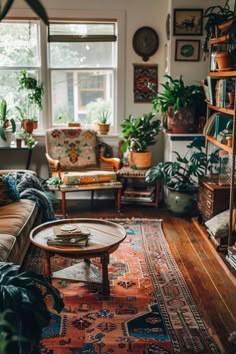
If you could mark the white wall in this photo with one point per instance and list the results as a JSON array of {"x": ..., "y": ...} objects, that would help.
[{"x": 132, "y": 14}]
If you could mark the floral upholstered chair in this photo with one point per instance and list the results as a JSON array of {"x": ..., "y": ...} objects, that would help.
[{"x": 79, "y": 162}]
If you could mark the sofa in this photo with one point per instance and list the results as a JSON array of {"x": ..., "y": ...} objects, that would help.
[{"x": 17, "y": 218}]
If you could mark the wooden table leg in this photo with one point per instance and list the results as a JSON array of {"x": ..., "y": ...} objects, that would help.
[
  {"x": 118, "y": 199},
  {"x": 46, "y": 264},
  {"x": 63, "y": 203},
  {"x": 105, "y": 279}
]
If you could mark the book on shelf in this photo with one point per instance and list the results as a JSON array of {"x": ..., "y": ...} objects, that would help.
[
  {"x": 210, "y": 125},
  {"x": 206, "y": 90}
]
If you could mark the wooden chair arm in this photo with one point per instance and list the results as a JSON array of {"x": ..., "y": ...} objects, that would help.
[
  {"x": 113, "y": 161},
  {"x": 55, "y": 164}
]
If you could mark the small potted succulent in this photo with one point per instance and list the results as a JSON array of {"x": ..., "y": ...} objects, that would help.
[{"x": 103, "y": 121}]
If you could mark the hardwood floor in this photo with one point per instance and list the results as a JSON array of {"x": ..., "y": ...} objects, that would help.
[{"x": 211, "y": 281}]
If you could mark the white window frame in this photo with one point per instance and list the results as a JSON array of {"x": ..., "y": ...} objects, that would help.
[{"x": 69, "y": 15}]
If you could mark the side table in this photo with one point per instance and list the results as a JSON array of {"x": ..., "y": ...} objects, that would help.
[{"x": 136, "y": 190}]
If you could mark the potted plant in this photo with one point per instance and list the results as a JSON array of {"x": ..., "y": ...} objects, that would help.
[
  {"x": 25, "y": 311},
  {"x": 103, "y": 121},
  {"x": 33, "y": 92},
  {"x": 7, "y": 124},
  {"x": 180, "y": 176},
  {"x": 138, "y": 134},
  {"x": 213, "y": 17},
  {"x": 180, "y": 105}
]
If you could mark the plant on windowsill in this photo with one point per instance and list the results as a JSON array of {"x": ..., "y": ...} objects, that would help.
[
  {"x": 180, "y": 105},
  {"x": 7, "y": 124},
  {"x": 31, "y": 103},
  {"x": 180, "y": 176},
  {"x": 103, "y": 121},
  {"x": 24, "y": 311},
  {"x": 137, "y": 135}
]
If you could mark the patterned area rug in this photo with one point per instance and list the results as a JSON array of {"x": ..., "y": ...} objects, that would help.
[{"x": 150, "y": 309}]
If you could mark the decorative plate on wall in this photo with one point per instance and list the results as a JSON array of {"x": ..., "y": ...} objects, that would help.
[{"x": 145, "y": 42}]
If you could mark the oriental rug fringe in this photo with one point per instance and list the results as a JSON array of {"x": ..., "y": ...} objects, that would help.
[{"x": 150, "y": 309}]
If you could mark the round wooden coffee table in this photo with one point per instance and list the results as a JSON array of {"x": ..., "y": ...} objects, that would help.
[{"x": 104, "y": 238}]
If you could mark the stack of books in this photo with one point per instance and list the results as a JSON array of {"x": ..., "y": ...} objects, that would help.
[
  {"x": 141, "y": 195},
  {"x": 69, "y": 235},
  {"x": 231, "y": 257}
]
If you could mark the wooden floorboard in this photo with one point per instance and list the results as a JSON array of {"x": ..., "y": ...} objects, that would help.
[{"x": 210, "y": 279}]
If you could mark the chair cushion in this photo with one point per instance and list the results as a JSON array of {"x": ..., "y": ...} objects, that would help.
[
  {"x": 75, "y": 148},
  {"x": 88, "y": 177}
]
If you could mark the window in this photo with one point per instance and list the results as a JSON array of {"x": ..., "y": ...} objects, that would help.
[
  {"x": 82, "y": 60},
  {"x": 19, "y": 49}
]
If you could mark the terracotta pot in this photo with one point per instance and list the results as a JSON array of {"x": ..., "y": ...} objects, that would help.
[
  {"x": 18, "y": 143},
  {"x": 224, "y": 60},
  {"x": 140, "y": 160},
  {"x": 103, "y": 128},
  {"x": 181, "y": 121},
  {"x": 29, "y": 125}
]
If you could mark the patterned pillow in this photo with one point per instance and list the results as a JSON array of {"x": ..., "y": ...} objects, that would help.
[
  {"x": 8, "y": 191},
  {"x": 218, "y": 226}
]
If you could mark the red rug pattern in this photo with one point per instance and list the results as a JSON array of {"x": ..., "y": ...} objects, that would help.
[{"x": 150, "y": 309}]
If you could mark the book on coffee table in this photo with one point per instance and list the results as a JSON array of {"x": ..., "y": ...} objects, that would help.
[
  {"x": 70, "y": 230},
  {"x": 69, "y": 235}
]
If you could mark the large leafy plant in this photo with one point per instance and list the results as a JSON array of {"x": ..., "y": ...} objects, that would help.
[
  {"x": 6, "y": 123},
  {"x": 178, "y": 95},
  {"x": 25, "y": 311},
  {"x": 139, "y": 133},
  {"x": 179, "y": 175}
]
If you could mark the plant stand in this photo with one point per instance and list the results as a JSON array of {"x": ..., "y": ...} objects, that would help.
[{"x": 136, "y": 190}]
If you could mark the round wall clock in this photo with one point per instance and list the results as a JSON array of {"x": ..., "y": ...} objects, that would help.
[{"x": 145, "y": 42}]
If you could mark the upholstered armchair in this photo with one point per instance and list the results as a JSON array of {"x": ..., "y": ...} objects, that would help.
[{"x": 81, "y": 163}]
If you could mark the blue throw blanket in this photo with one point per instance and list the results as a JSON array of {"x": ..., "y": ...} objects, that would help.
[{"x": 29, "y": 187}]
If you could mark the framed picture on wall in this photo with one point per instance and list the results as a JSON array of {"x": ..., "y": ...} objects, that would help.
[
  {"x": 145, "y": 82},
  {"x": 187, "y": 50},
  {"x": 188, "y": 22}
]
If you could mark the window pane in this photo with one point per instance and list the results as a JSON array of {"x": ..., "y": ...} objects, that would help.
[
  {"x": 81, "y": 96},
  {"x": 82, "y": 29},
  {"x": 9, "y": 90},
  {"x": 82, "y": 55},
  {"x": 19, "y": 44}
]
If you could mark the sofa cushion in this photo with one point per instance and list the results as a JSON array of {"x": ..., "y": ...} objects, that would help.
[
  {"x": 7, "y": 243},
  {"x": 17, "y": 219},
  {"x": 8, "y": 191},
  {"x": 218, "y": 225}
]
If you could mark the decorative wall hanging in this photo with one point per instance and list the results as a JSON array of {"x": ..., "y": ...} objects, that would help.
[
  {"x": 187, "y": 50},
  {"x": 188, "y": 22},
  {"x": 145, "y": 82},
  {"x": 145, "y": 42}
]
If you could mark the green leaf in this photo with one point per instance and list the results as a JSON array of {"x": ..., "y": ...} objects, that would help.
[
  {"x": 6, "y": 8},
  {"x": 37, "y": 7}
]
